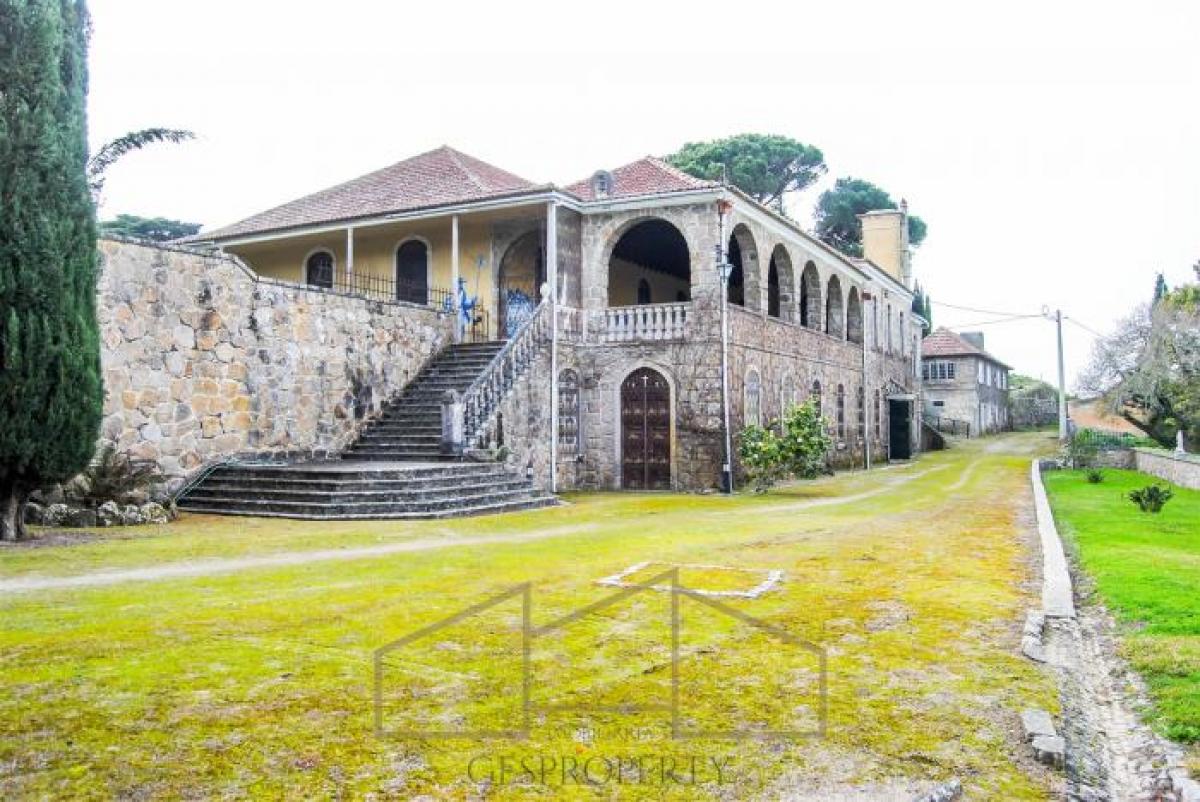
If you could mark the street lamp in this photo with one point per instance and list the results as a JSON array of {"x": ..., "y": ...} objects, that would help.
[{"x": 724, "y": 271}]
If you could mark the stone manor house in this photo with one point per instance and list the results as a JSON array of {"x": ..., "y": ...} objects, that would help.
[{"x": 328, "y": 356}]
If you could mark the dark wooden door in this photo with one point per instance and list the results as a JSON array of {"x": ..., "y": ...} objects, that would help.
[
  {"x": 899, "y": 431},
  {"x": 645, "y": 431}
]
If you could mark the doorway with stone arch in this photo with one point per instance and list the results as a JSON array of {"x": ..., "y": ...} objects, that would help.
[{"x": 645, "y": 431}]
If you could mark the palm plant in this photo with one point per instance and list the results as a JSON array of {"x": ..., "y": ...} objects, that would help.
[{"x": 134, "y": 140}]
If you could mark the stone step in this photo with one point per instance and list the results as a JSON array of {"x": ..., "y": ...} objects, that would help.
[
  {"x": 438, "y": 498},
  {"x": 367, "y": 510},
  {"x": 339, "y": 472},
  {"x": 285, "y": 489}
]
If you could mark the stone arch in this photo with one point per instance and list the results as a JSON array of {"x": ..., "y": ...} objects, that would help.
[
  {"x": 854, "y": 317},
  {"x": 649, "y": 259},
  {"x": 835, "y": 323},
  {"x": 810, "y": 297},
  {"x": 744, "y": 278},
  {"x": 646, "y": 428},
  {"x": 781, "y": 292},
  {"x": 522, "y": 272}
]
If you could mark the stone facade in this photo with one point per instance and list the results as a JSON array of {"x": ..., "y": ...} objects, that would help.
[
  {"x": 786, "y": 357},
  {"x": 978, "y": 393},
  {"x": 203, "y": 359}
]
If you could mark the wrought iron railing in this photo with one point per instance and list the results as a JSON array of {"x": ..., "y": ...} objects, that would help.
[
  {"x": 381, "y": 288},
  {"x": 483, "y": 397}
]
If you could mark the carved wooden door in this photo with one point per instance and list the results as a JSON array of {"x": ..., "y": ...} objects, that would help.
[{"x": 645, "y": 431}]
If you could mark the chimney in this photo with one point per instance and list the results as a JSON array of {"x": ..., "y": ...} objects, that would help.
[
  {"x": 885, "y": 241},
  {"x": 975, "y": 338}
]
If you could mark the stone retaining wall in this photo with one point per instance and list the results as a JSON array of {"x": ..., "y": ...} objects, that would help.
[
  {"x": 1180, "y": 469},
  {"x": 202, "y": 359}
]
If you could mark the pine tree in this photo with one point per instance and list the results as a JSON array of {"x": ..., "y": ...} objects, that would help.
[{"x": 51, "y": 394}]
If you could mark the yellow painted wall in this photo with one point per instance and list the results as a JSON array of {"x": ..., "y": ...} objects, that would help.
[
  {"x": 623, "y": 278},
  {"x": 374, "y": 254},
  {"x": 883, "y": 242}
]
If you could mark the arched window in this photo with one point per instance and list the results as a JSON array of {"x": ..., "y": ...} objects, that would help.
[
  {"x": 889, "y": 328},
  {"x": 412, "y": 272},
  {"x": 787, "y": 394},
  {"x": 318, "y": 269},
  {"x": 835, "y": 325},
  {"x": 643, "y": 291},
  {"x": 568, "y": 412},
  {"x": 861, "y": 405},
  {"x": 814, "y": 396},
  {"x": 841, "y": 412},
  {"x": 753, "y": 398}
]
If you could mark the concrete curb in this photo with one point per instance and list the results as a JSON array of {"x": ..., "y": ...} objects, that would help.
[{"x": 1057, "y": 599}]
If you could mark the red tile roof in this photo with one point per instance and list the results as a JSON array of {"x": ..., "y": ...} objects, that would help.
[
  {"x": 944, "y": 343},
  {"x": 440, "y": 177},
  {"x": 648, "y": 176}
]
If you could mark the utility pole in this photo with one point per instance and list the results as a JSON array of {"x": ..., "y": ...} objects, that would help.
[{"x": 1062, "y": 378}]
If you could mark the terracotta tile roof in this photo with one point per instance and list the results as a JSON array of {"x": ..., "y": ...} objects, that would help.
[
  {"x": 944, "y": 343},
  {"x": 440, "y": 177},
  {"x": 648, "y": 176}
]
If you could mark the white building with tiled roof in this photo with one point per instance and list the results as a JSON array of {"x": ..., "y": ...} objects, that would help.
[{"x": 963, "y": 384}]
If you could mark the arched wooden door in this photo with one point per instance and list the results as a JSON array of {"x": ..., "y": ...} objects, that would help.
[{"x": 645, "y": 431}]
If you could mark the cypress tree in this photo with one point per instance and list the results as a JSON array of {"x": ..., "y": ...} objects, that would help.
[{"x": 51, "y": 395}]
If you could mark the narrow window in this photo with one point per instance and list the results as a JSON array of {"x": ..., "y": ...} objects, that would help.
[
  {"x": 753, "y": 399},
  {"x": 815, "y": 396},
  {"x": 860, "y": 401},
  {"x": 568, "y": 412},
  {"x": 318, "y": 270},
  {"x": 878, "y": 415},
  {"x": 841, "y": 412}
]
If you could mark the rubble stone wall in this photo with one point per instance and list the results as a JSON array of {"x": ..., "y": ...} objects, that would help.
[{"x": 202, "y": 359}]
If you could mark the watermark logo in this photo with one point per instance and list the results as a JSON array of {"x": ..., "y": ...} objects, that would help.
[{"x": 672, "y": 710}]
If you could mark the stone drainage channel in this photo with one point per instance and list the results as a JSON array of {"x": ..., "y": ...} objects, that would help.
[{"x": 1101, "y": 742}]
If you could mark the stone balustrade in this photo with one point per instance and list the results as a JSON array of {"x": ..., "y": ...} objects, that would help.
[{"x": 644, "y": 322}]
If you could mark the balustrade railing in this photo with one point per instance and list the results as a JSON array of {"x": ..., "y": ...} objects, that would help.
[
  {"x": 644, "y": 322},
  {"x": 483, "y": 397}
]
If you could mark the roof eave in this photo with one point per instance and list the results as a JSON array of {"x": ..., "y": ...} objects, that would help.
[{"x": 546, "y": 193}]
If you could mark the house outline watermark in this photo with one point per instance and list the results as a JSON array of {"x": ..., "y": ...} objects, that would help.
[{"x": 529, "y": 632}]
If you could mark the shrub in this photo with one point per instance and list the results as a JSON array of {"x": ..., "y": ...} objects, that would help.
[
  {"x": 1151, "y": 498},
  {"x": 112, "y": 476},
  {"x": 1080, "y": 450},
  {"x": 793, "y": 447},
  {"x": 1095, "y": 476}
]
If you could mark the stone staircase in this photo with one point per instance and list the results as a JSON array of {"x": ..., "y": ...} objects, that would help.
[
  {"x": 411, "y": 426},
  {"x": 395, "y": 470}
]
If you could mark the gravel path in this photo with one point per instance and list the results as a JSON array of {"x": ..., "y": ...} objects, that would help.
[{"x": 198, "y": 568}]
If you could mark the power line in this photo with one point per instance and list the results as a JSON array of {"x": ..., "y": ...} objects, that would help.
[
  {"x": 1088, "y": 329},
  {"x": 976, "y": 309},
  {"x": 994, "y": 321}
]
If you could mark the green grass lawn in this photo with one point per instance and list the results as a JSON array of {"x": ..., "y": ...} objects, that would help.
[
  {"x": 1146, "y": 569},
  {"x": 258, "y": 683}
]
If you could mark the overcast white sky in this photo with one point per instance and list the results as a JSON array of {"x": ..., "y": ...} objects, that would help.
[{"x": 1052, "y": 147}]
